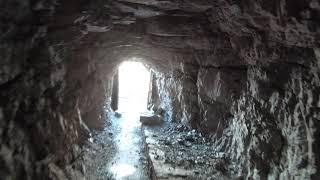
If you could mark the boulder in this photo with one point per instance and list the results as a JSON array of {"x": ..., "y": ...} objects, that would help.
[{"x": 150, "y": 119}]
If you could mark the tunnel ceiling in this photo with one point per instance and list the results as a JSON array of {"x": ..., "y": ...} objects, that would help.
[{"x": 218, "y": 33}]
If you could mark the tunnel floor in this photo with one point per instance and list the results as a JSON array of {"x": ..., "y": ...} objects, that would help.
[
  {"x": 126, "y": 149},
  {"x": 118, "y": 151},
  {"x": 177, "y": 152}
]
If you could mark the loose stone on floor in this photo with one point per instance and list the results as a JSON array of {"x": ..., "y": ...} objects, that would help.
[{"x": 178, "y": 153}]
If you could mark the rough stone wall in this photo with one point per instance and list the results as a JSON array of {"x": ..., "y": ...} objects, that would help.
[
  {"x": 258, "y": 88},
  {"x": 264, "y": 119},
  {"x": 274, "y": 128},
  {"x": 50, "y": 92},
  {"x": 177, "y": 94}
]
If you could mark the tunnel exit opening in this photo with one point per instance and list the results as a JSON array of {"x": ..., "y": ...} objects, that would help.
[
  {"x": 134, "y": 81},
  {"x": 129, "y": 99}
]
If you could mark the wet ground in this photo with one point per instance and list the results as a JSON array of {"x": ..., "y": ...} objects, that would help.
[
  {"x": 177, "y": 152},
  {"x": 118, "y": 151},
  {"x": 126, "y": 150}
]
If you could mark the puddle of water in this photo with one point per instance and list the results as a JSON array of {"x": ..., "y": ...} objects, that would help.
[
  {"x": 122, "y": 170},
  {"x": 126, "y": 164}
]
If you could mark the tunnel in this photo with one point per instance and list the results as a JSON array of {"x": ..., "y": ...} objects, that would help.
[{"x": 233, "y": 92}]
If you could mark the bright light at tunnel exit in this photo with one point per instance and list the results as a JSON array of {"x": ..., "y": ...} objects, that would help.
[{"x": 134, "y": 80}]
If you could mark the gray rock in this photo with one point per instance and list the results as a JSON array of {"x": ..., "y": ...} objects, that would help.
[{"x": 150, "y": 120}]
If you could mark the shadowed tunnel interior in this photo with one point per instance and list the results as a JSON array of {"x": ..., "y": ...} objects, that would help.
[{"x": 234, "y": 89}]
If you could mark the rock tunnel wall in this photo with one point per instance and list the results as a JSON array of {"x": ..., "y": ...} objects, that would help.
[
  {"x": 246, "y": 73},
  {"x": 258, "y": 121},
  {"x": 50, "y": 93},
  {"x": 264, "y": 118}
]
